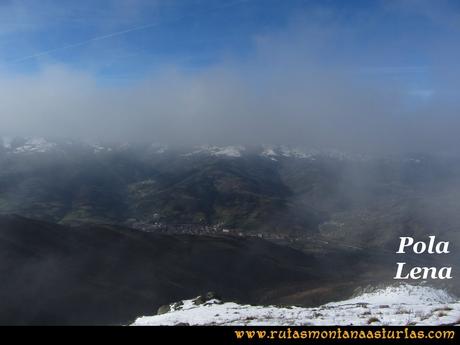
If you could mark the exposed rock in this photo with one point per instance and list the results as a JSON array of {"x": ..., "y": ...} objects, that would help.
[
  {"x": 212, "y": 295},
  {"x": 183, "y": 324},
  {"x": 164, "y": 309},
  {"x": 199, "y": 300},
  {"x": 177, "y": 305}
]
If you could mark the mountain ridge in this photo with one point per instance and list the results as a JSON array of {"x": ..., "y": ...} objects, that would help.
[{"x": 394, "y": 305}]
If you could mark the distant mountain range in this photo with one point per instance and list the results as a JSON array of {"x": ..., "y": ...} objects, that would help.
[
  {"x": 260, "y": 190},
  {"x": 16, "y": 145}
]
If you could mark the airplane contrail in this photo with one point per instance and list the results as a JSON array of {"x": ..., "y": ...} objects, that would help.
[
  {"x": 82, "y": 43},
  {"x": 113, "y": 34}
]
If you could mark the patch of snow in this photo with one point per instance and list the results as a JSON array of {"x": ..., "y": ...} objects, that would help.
[
  {"x": 270, "y": 153},
  {"x": 398, "y": 305},
  {"x": 311, "y": 154},
  {"x": 228, "y": 151},
  {"x": 97, "y": 148},
  {"x": 284, "y": 151},
  {"x": 403, "y": 294},
  {"x": 294, "y": 153},
  {"x": 35, "y": 145}
]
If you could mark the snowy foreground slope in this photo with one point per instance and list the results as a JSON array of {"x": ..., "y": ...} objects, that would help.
[{"x": 394, "y": 305}]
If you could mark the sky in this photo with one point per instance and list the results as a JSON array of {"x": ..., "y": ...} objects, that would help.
[{"x": 358, "y": 75}]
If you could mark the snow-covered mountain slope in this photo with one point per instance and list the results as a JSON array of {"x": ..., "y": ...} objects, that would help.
[
  {"x": 276, "y": 152},
  {"x": 97, "y": 148},
  {"x": 229, "y": 151},
  {"x": 394, "y": 305},
  {"x": 38, "y": 145},
  {"x": 28, "y": 145}
]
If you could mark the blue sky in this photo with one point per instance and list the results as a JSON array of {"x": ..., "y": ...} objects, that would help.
[
  {"x": 118, "y": 39},
  {"x": 130, "y": 37},
  {"x": 201, "y": 61}
]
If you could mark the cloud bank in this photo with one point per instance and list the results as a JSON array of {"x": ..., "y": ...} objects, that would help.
[{"x": 307, "y": 85}]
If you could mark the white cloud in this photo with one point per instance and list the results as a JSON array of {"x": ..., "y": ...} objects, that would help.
[{"x": 290, "y": 90}]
